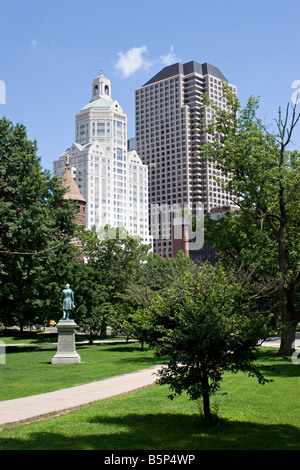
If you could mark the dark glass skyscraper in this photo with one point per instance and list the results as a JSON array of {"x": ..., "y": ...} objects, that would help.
[{"x": 168, "y": 136}]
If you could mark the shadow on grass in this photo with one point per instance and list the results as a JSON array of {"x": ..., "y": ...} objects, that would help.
[
  {"x": 279, "y": 366},
  {"x": 125, "y": 347},
  {"x": 160, "y": 432},
  {"x": 32, "y": 336},
  {"x": 44, "y": 347},
  {"x": 29, "y": 349}
]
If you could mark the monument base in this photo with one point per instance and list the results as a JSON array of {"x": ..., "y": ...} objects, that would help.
[
  {"x": 66, "y": 353},
  {"x": 66, "y": 359}
]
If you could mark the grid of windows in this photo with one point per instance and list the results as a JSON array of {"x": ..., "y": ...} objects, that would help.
[
  {"x": 112, "y": 179},
  {"x": 168, "y": 137}
]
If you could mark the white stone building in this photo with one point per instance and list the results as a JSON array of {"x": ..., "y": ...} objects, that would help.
[{"x": 111, "y": 178}]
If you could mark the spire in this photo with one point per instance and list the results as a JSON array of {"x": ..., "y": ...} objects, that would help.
[{"x": 69, "y": 183}]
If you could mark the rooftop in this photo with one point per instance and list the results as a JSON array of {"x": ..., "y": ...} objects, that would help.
[
  {"x": 186, "y": 69},
  {"x": 68, "y": 182}
]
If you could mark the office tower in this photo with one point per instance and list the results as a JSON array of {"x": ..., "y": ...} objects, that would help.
[
  {"x": 168, "y": 114},
  {"x": 111, "y": 178}
]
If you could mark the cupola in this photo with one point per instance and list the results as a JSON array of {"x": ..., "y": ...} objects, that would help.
[{"x": 101, "y": 87}]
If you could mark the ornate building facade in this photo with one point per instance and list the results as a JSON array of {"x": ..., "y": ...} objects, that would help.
[{"x": 112, "y": 179}]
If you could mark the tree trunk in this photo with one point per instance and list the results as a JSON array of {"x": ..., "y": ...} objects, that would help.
[
  {"x": 91, "y": 337},
  {"x": 103, "y": 329},
  {"x": 206, "y": 401},
  {"x": 206, "y": 408},
  {"x": 287, "y": 314},
  {"x": 289, "y": 322},
  {"x": 285, "y": 346},
  {"x": 287, "y": 342}
]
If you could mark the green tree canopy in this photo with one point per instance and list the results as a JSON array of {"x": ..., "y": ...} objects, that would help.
[
  {"x": 206, "y": 324},
  {"x": 265, "y": 177},
  {"x": 112, "y": 256},
  {"x": 152, "y": 277},
  {"x": 35, "y": 225}
]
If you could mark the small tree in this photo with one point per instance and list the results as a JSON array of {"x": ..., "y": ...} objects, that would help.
[{"x": 206, "y": 325}]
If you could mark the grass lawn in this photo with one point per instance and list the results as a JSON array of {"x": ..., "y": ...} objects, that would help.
[
  {"x": 12, "y": 335},
  {"x": 28, "y": 369},
  {"x": 250, "y": 416}
]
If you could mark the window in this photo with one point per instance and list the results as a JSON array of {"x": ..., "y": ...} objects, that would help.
[{"x": 119, "y": 154}]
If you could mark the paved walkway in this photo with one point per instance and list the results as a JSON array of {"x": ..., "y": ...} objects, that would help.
[
  {"x": 275, "y": 342},
  {"x": 21, "y": 409},
  {"x": 107, "y": 341}
]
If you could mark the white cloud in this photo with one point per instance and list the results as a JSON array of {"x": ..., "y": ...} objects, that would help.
[
  {"x": 34, "y": 43},
  {"x": 133, "y": 60},
  {"x": 169, "y": 58}
]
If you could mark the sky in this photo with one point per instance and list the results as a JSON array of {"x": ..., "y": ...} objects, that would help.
[{"x": 50, "y": 51}]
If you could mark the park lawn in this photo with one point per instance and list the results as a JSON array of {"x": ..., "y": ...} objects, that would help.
[
  {"x": 14, "y": 336},
  {"x": 28, "y": 369},
  {"x": 250, "y": 417}
]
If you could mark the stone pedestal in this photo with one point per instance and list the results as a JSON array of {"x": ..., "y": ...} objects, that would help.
[{"x": 66, "y": 353}]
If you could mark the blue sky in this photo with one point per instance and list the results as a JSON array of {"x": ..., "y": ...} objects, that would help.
[{"x": 50, "y": 50}]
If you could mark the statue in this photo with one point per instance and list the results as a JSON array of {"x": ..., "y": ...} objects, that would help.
[
  {"x": 68, "y": 301},
  {"x": 66, "y": 352}
]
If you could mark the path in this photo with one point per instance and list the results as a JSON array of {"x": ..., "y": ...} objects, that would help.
[
  {"x": 20, "y": 409},
  {"x": 275, "y": 342}
]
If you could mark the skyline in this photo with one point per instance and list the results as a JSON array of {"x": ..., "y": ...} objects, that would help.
[{"x": 52, "y": 50}]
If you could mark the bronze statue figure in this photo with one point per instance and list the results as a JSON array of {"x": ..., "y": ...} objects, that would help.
[{"x": 68, "y": 301}]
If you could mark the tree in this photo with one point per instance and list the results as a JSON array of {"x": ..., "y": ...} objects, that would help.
[
  {"x": 206, "y": 324},
  {"x": 35, "y": 226},
  {"x": 242, "y": 246},
  {"x": 112, "y": 256},
  {"x": 265, "y": 177},
  {"x": 92, "y": 299},
  {"x": 152, "y": 277}
]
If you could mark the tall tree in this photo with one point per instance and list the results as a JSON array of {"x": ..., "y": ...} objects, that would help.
[
  {"x": 265, "y": 176},
  {"x": 35, "y": 225}
]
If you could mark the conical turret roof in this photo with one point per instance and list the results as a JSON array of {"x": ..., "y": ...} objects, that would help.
[{"x": 68, "y": 182}]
